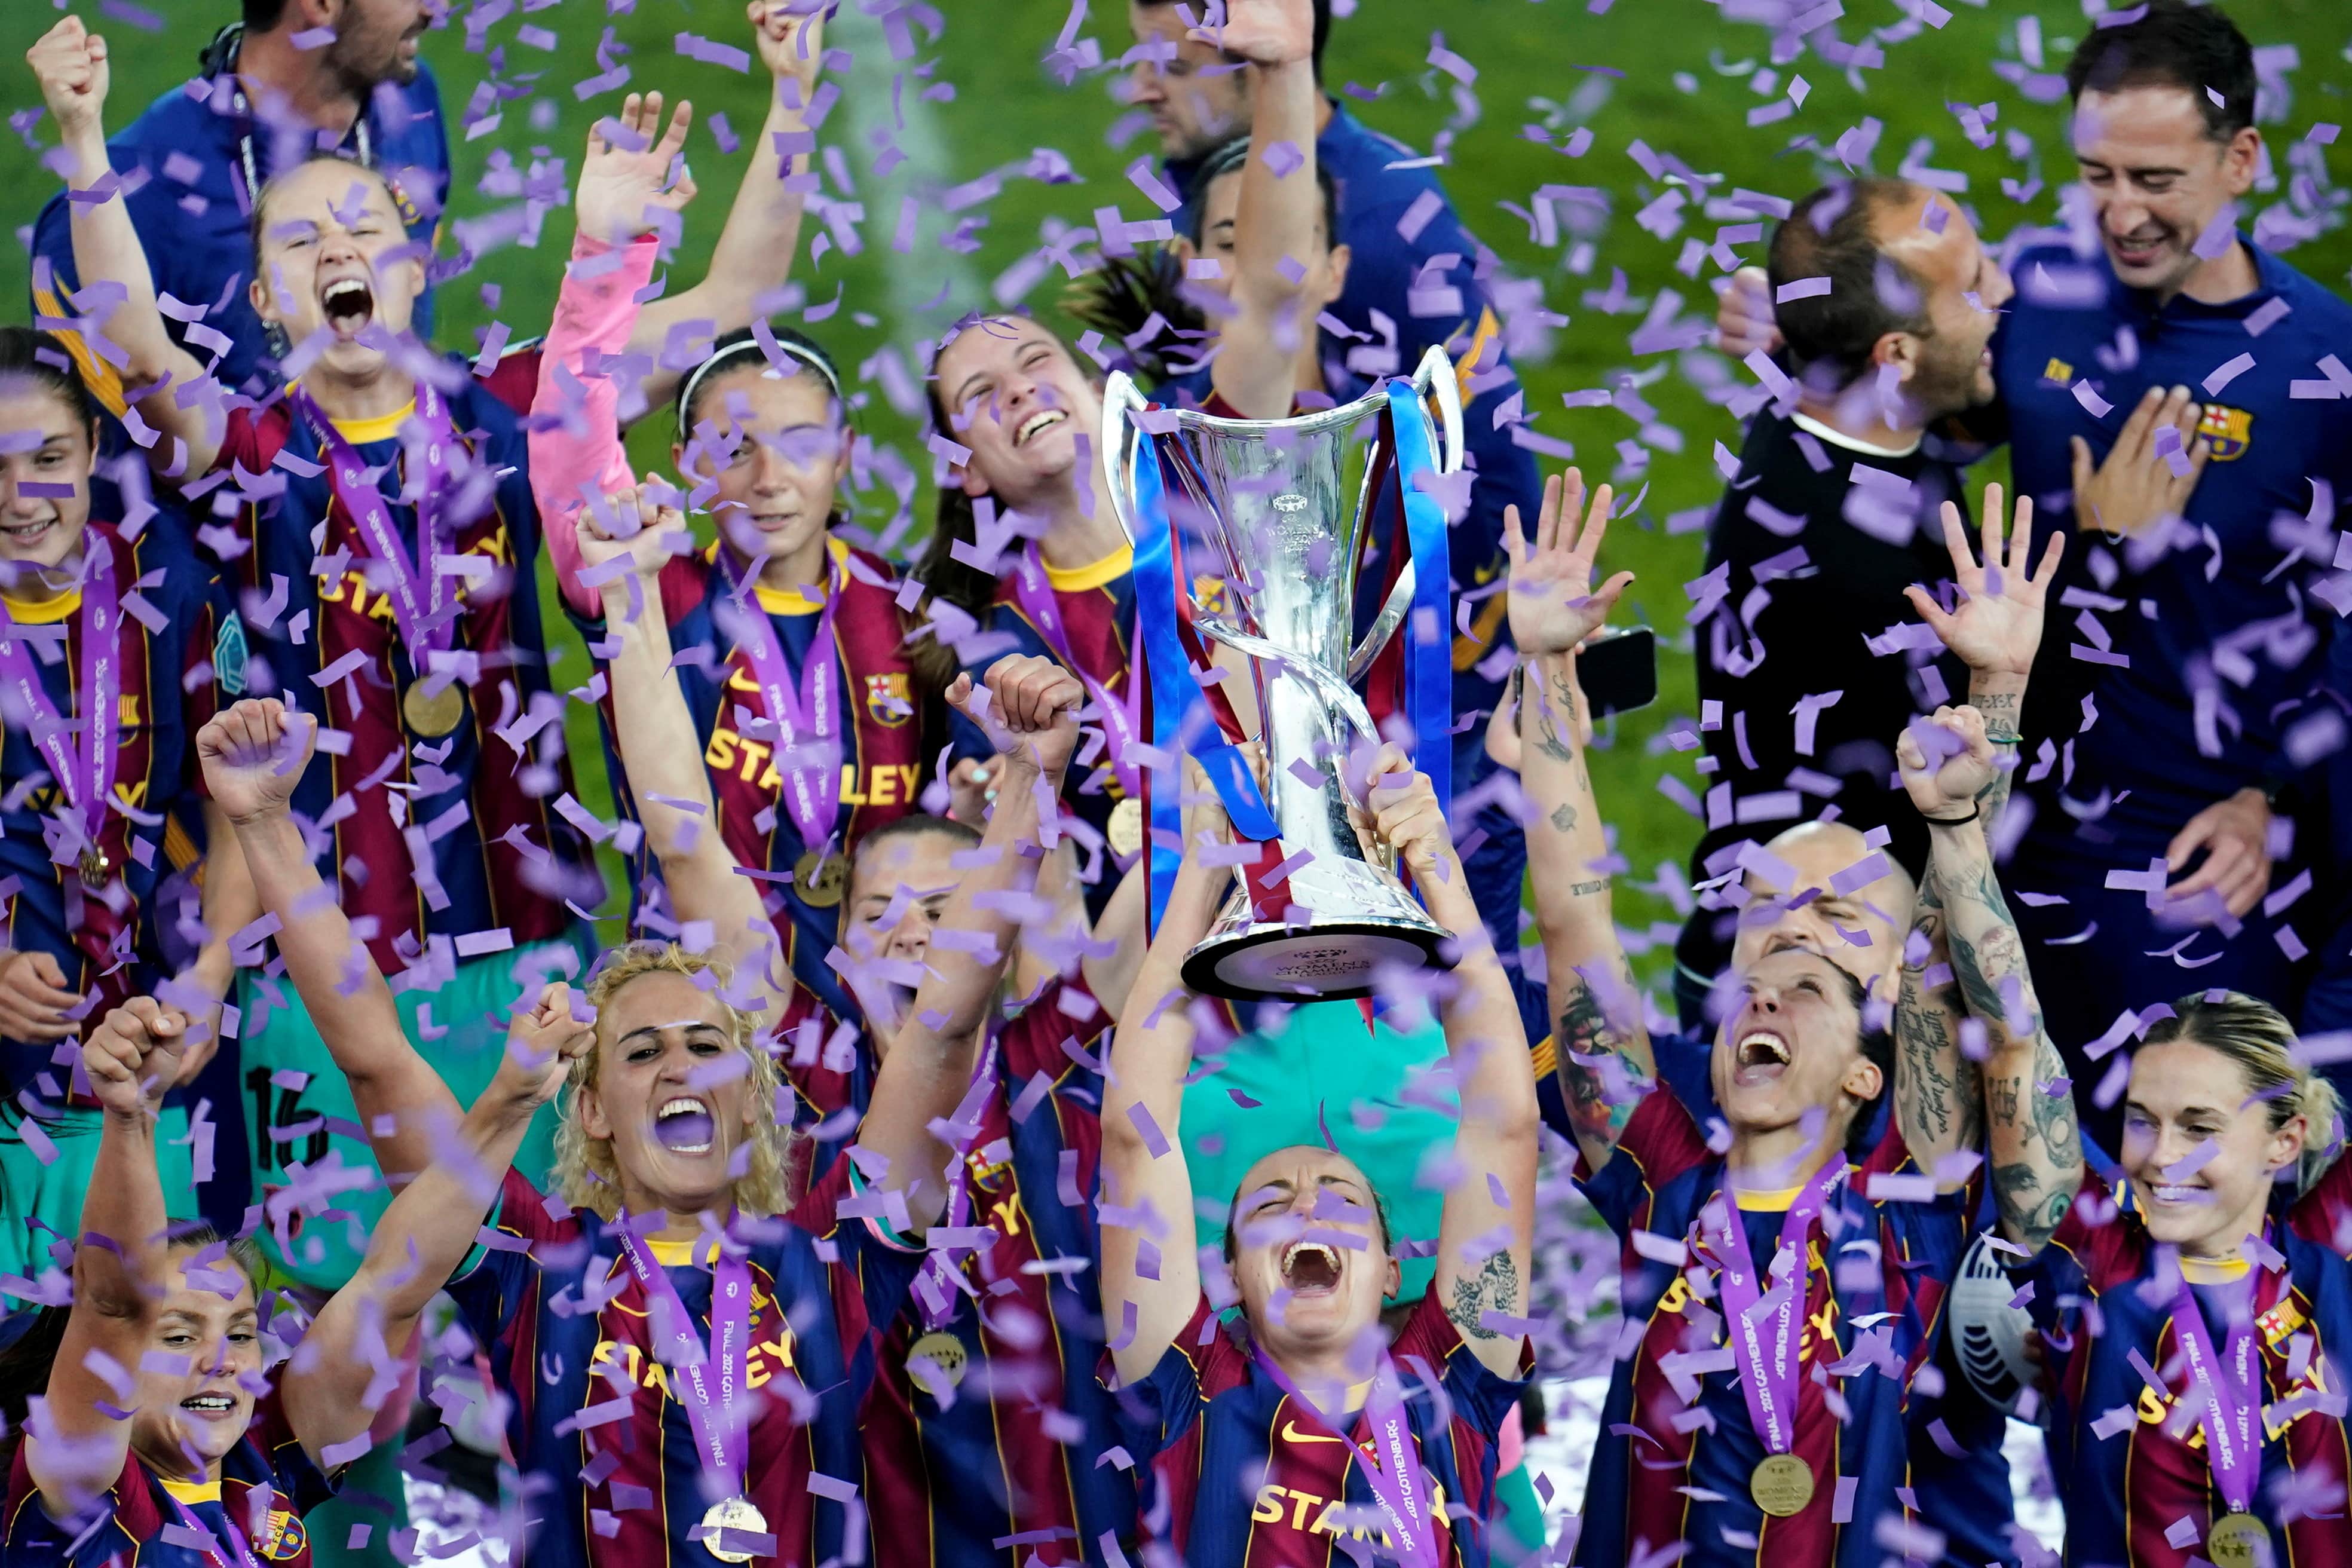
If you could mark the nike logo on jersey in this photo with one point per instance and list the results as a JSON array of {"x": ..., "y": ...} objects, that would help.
[{"x": 1291, "y": 1433}]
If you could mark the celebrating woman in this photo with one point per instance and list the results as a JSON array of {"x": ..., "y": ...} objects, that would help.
[
  {"x": 2187, "y": 1317},
  {"x": 148, "y": 1425},
  {"x": 795, "y": 664},
  {"x": 1305, "y": 1396},
  {"x": 390, "y": 553},
  {"x": 119, "y": 640}
]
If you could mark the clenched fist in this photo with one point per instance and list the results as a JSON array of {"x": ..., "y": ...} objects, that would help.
[
  {"x": 133, "y": 1058},
  {"x": 253, "y": 756}
]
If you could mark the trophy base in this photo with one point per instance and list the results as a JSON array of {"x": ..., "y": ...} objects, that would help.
[{"x": 1270, "y": 962}]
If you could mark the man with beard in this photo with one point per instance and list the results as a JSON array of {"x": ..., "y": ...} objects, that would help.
[
  {"x": 195, "y": 164},
  {"x": 2161, "y": 782},
  {"x": 1832, "y": 514}
]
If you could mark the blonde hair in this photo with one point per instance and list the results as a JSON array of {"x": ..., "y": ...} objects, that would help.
[
  {"x": 2254, "y": 1036},
  {"x": 585, "y": 1173}
]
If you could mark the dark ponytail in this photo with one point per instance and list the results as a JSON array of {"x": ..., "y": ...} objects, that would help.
[
  {"x": 944, "y": 578},
  {"x": 42, "y": 358}
]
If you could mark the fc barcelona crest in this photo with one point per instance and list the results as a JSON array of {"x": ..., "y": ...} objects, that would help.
[
  {"x": 886, "y": 698},
  {"x": 286, "y": 1539},
  {"x": 2227, "y": 431}
]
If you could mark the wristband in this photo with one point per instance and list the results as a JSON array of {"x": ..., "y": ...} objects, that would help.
[{"x": 1955, "y": 821}]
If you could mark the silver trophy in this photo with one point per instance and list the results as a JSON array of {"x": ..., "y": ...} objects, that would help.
[{"x": 1270, "y": 493}]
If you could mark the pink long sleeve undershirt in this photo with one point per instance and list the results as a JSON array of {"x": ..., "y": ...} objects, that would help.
[{"x": 582, "y": 455}]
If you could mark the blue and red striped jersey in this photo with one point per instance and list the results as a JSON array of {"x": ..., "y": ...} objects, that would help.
[
  {"x": 2125, "y": 1446},
  {"x": 430, "y": 838},
  {"x": 1677, "y": 1445},
  {"x": 110, "y": 943},
  {"x": 1008, "y": 1467},
  {"x": 267, "y": 1483},
  {"x": 1244, "y": 1478},
  {"x": 594, "y": 1419},
  {"x": 884, "y": 764},
  {"x": 1097, "y": 607}
]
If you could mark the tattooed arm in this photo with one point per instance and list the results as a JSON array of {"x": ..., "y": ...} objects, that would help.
[
  {"x": 1939, "y": 1095},
  {"x": 2035, "y": 1142},
  {"x": 1598, "y": 1036}
]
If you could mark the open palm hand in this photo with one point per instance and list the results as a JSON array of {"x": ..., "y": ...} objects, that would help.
[
  {"x": 626, "y": 177},
  {"x": 1553, "y": 606}
]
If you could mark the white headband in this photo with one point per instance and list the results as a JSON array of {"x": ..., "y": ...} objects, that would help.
[{"x": 742, "y": 346}]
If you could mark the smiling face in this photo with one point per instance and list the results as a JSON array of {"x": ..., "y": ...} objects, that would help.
[
  {"x": 1197, "y": 97},
  {"x": 2156, "y": 178},
  {"x": 1016, "y": 396},
  {"x": 897, "y": 889},
  {"x": 38, "y": 531},
  {"x": 1965, "y": 290},
  {"x": 672, "y": 1094},
  {"x": 191, "y": 1393},
  {"x": 1793, "y": 1047},
  {"x": 327, "y": 231},
  {"x": 1309, "y": 1257},
  {"x": 1878, "y": 913},
  {"x": 376, "y": 41},
  {"x": 776, "y": 495},
  {"x": 2183, "y": 1097}
]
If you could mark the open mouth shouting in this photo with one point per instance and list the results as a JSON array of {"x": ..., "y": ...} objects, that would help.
[
  {"x": 1037, "y": 423},
  {"x": 1310, "y": 1269},
  {"x": 350, "y": 305},
  {"x": 685, "y": 1125},
  {"x": 1760, "y": 1057}
]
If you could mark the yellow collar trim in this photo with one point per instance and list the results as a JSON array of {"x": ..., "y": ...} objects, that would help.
[
  {"x": 360, "y": 432},
  {"x": 795, "y": 601},
  {"x": 1777, "y": 1200},
  {"x": 2214, "y": 1270},
  {"x": 1077, "y": 579},
  {"x": 192, "y": 1491},
  {"x": 45, "y": 612}
]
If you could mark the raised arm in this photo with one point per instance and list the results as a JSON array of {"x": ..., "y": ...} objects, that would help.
[
  {"x": 253, "y": 756},
  {"x": 2035, "y": 1140},
  {"x": 660, "y": 746},
  {"x": 161, "y": 379},
  {"x": 1274, "y": 225},
  {"x": 1146, "y": 1196},
  {"x": 1598, "y": 1035},
  {"x": 1029, "y": 710},
  {"x": 121, "y": 1267},
  {"x": 1487, "y": 1226},
  {"x": 353, "y": 1354},
  {"x": 1995, "y": 631},
  {"x": 754, "y": 253}
]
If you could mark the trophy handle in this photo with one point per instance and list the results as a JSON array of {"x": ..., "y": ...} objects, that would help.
[
  {"x": 1119, "y": 437},
  {"x": 1436, "y": 373},
  {"x": 1384, "y": 625},
  {"x": 1334, "y": 690}
]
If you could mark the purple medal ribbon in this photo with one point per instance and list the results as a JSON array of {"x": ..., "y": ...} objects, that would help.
[
  {"x": 1394, "y": 1472},
  {"x": 212, "y": 1549},
  {"x": 421, "y": 602},
  {"x": 2232, "y": 1416},
  {"x": 712, "y": 1384},
  {"x": 806, "y": 716},
  {"x": 1122, "y": 721},
  {"x": 82, "y": 758},
  {"x": 936, "y": 1291},
  {"x": 1767, "y": 1358}
]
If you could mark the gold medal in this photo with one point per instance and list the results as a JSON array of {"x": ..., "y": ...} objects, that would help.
[
  {"x": 433, "y": 714},
  {"x": 1125, "y": 834},
  {"x": 1782, "y": 1485},
  {"x": 737, "y": 1514},
  {"x": 2238, "y": 1541},
  {"x": 943, "y": 1350},
  {"x": 821, "y": 879},
  {"x": 96, "y": 869}
]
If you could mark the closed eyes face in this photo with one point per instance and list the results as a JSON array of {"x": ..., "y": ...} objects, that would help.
[
  {"x": 2188, "y": 1105},
  {"x": 48, "y": 446},
  {"x": 190, "y": 1393},
  {"x": 2155, "y": 178},
  {"x": 330, "y": 232},
  {"x": 1306, "y": 1253},
  {"x": 1017, "y": 399},
  {"x": 1793, "y": 1047},
  {"x": 1819, "y": 924}
]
